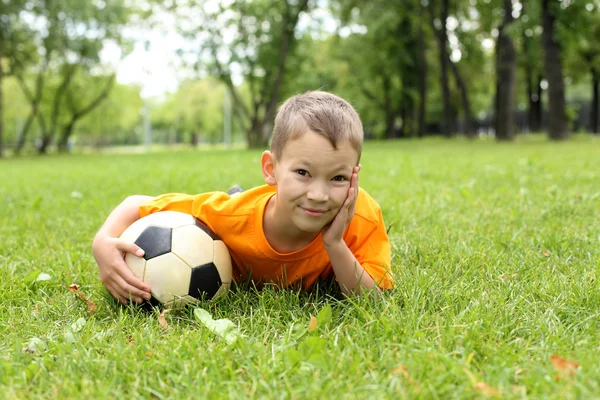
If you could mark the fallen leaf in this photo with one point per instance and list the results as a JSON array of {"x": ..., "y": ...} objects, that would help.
[
  {"x": 35, "y": 344},
  {"x": 485, "y": 389},
  {"x": 324, "y": 316},
  {"x": 91, "y": 306},
  {"x": 74, "y": 288},
  {"x": 546, "y": 253},
  {"x": 400, "y": 370},
  {"x": 563, "y": 365},
  {"x": 161, "y": 319},
  {"x": 312, "y": 325},
  {"x": 69, "y": 337},
  {"x": 43, "y": 277},
  {"x": 220, "y": 327},
  {"x": 78, "y": 325}
]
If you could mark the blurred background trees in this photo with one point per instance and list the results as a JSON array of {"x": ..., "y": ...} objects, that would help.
[{"x": 411, "y": 68}]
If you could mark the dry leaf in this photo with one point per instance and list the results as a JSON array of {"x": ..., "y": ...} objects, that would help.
[
  {"x": 546, "y": 253},
  {"x": 485, "y": 389},
  {"x": 161, "y": 319},
  {"x": 400, "y": 370},
  {"x": 563, "y": 365},
  {"x": 74, "y": 288},
  {"x": 312, "y": 325},
  {"x": 91, "y": 306}
]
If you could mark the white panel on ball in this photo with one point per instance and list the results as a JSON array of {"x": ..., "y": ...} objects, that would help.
[
  {"x": 170, "y": 219},
  {"x": 168, "y": 277},
  {"x": 222, "y": 261},
  {"x": 136, "y": 265},
  {"x": 134, "y": 230},
  {"x": 224, "y": 289},
  {"x": 192, "y": 245}
]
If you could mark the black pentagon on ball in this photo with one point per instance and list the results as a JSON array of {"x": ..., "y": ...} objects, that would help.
[
  {"x": 155, "y": 241},
  {"x": 205, "y": 281}
]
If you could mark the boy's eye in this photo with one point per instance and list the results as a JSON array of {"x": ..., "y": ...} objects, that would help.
[
  {"x": 339, "y": 178},
  {"x": 302, "y": 172}
]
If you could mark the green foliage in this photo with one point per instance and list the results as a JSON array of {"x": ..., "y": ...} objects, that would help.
[
  {"x": 196, "y": 107},
  {"x": 496, "y": 250},
  {"x": 115, "y": 119}
]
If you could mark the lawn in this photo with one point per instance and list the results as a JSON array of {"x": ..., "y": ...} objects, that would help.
[{"x": 496, "y": 249}]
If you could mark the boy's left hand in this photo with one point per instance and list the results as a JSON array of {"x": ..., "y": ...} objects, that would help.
[{"x": 333, "y": 232}]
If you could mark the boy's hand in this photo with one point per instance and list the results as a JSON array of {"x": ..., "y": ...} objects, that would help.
[
  {"x": 114, "y": 272},
  {"x": 334, "y": 231}
]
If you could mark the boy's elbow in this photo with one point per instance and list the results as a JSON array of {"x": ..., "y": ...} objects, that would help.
[{"x": 137, "y": 199}]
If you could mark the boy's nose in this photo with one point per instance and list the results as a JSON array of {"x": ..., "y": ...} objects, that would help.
[{"x": 317, "y": 192}]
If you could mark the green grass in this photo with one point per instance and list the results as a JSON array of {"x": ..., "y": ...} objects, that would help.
[{"x": 496, "y": 248}]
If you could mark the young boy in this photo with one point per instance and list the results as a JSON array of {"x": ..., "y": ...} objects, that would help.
[{"x": 309, "y": 222}]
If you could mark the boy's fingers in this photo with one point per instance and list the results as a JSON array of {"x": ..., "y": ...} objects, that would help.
[
  {"x": 141, "y": 288},
  {"x": 127, "y": 293},
  {"x": 130, "y": 248},
  {"x": 130, "y": 279},
  {"x": 132, "y": 284}
]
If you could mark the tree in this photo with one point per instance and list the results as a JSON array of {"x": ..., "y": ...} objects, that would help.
[
  {"x": 15, "y": 44},
  {"x": 580, "y": 31},
  {"x": 530, "y": 61},
  {"x": 439, "y": 19},
  {"x": 505, "y": 77},
  {"x": 557, "y": 129},
  {"x": 70, "y": 43},
  {"x": 78, "y": 112},
  {"x": 261, "y": 37},
  {"x": 390, "y": 69}
]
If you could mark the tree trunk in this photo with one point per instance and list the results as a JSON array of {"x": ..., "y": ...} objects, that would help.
[
  {"x": 557, "y": 121},
  {"x": 255, "y": 135},
  {"x": 442, "y": 36},
  {"x": 506, "y": 64},
  {"x": 66, "y": 134},
  {"x": 1, "y": 110},
  {"x": 390, "y": 114},
  {"x": 534, "y": 97},
  {"x": 78, "y": 114},
  {"x": 594, "y": 115},
  {"x": 45, "y": 143},
  {"x": 262, "y": 127},
  {"x": 422, "y": 81},
  {"x": 464, "y": 95}
]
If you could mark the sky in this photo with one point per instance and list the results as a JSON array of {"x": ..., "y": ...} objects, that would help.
[
  {"x": 154, "y": 63},
  {"x": 155, "y": 66}
]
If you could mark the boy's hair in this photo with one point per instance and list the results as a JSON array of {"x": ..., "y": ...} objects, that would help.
[{"x": 320, "y": 112}]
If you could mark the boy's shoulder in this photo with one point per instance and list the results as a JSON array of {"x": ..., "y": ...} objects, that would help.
[
  {"x": 245, "y": 202},
  {"x": 367, "y": 208}
]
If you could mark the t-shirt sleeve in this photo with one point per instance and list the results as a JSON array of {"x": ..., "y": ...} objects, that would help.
[
  {"x": 185, "y": 203},
  {"x": 373, "y": 251}
]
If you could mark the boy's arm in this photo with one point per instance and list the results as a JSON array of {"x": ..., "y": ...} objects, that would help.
[
  {"x": 350, "y": 274},
  {"x": 109, "y": 252}
]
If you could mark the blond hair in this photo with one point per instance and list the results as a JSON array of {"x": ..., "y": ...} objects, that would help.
[{"x": 320, "y": 112}]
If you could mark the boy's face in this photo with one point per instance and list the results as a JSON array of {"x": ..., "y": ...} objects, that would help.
[{"x": 312, "y": 181}]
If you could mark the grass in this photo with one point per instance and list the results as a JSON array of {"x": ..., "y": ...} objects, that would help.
[{"x": 496, "y": 248}]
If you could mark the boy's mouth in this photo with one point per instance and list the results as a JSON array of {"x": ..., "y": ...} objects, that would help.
[{"x": 314, "y": 212}]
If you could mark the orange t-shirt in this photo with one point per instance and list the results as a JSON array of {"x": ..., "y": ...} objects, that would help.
[{"x": 238, "y": 221}]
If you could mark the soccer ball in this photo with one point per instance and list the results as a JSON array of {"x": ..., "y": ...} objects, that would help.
[{"x": 183, "y": 261}]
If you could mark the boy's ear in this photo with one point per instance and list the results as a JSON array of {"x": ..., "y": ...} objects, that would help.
[{"x": 268, "y": 167}]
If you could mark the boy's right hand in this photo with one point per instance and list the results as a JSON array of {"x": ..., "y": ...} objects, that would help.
[{"x": 114, "y": 272}]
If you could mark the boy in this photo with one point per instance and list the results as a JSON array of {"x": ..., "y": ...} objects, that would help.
[{"x": 309, "y": 222}]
